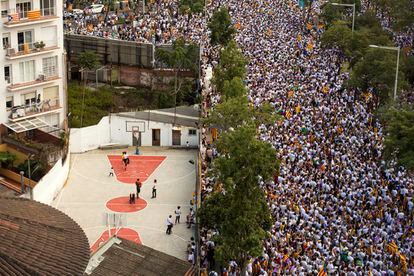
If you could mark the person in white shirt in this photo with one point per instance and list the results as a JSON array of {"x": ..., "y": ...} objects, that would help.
[
  {"x": 177, "y": 214},
  {"x": 169, "y": 224}
]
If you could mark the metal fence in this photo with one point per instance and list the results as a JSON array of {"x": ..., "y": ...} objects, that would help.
[{"x": 115, "y": 52}]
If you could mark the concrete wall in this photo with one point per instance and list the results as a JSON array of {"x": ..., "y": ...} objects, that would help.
[
  {"x": 89, "y": 138},
  {"x": 121, "y": 132},
  {"x": 50, "y": 185},
  {"x": 116, "y": 129}
]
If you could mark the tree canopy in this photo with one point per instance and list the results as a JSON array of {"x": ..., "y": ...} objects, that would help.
[
  {"x": 191, "y": 6},
  {"x": 221, "y": 27},
  {"x": 88, "y": 60},
  {"x": 180, "y": 56},
  {"x": 399, "y": 129},
  {"x": 239, "y": 211},
  {"x": 232, "y": 64}
]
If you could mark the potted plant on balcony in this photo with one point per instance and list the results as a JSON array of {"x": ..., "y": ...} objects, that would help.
[{"x": 39, "y": 45}]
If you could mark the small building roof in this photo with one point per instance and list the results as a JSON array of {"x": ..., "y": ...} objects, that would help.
[
  {"x": 184, "y": 116},
  {"x": 37, "y": 239},
  {"x": 123, "y": 257}
]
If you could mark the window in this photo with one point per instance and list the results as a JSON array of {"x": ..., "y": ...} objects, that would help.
[
  {"x": 51, "y": 32},
  {"x": 192, "y": 132},
  {"x": 9, "y": 102},
  {"x": 47, "y": 7},
  {"x": 51, "y": 95},
  {"x": 3, "y": 13},
  {"x": 6, "y": 40},
  {"x": 25, "y": 37},
  {"x": 7, "y": 74},
  {"x": 29, "y": 98},
  {"x": 27, "y": 71},
  {"x": 49, "y": 66},
  {"x": 22, "y": 8}
]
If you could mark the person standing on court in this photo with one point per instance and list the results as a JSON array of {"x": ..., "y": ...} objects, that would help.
[
  {"x": 154, "y": 189},
  {"x": 169, "y": 224},
  {"x": 177, "y": 214},
  {"x": 138, "y": 185}
]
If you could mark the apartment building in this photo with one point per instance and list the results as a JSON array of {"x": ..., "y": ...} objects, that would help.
[{"x": 32, "y": 65}]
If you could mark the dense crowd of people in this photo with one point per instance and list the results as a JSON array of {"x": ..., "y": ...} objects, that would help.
[
  {"x": 335, "y": 203},
  {"x": 161, "y": 23}
]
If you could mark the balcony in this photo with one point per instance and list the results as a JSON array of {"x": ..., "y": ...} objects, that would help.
[
  {"x": 32, "y": 17},
  {"x": 44, "y": 107},
  {"x": 29, "y": 49},
  {"x": 40, "y": 81}
]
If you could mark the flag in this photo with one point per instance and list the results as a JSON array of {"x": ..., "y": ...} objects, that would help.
[
  {"x": 322, "y": 271},
  {"x": 392, "y": 247}
]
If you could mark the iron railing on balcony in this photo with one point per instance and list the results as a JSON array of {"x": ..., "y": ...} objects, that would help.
[
  {"x": 24, "y": 16},
  {"x": 34, "y": 108},
  {"x": 31, "y": 47}
]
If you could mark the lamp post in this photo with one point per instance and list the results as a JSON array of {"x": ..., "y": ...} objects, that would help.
[
  {"x": 353, "y": 12},
  {"x": 30, "y": 174},
  {"x": 398, "y": 63}
]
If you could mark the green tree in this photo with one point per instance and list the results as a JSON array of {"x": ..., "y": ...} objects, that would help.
[
  {"x": 331, "y": 13},
  {"x": 399, "y": 129},
  {"x": 191, "y": 6},
  {"x": 221, "y": 27},
  {"x": 180, "y": 57},
  {"x": 232, "y": 64},
  {"x": 377, "y": 69},
  {"x": 408, "y": 68},
  {"x": 87, "y": 60},
  {"x": 231, "y": 113},
  {"x": 233, "y": 88},
  {"x": 337, "y": 36},
  {"x": 402, "y": 11},
  {"x": 243, "y": 159}
]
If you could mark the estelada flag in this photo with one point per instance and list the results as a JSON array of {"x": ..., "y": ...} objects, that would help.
[
  {"x": 322, "y": 271},
  {"x": 392, "y": 247},
  {"x": 237, "y": 26}
]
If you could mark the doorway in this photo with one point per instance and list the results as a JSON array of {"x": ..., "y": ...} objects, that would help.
[
  {"x": 176, "y": 137},
  {"x": 156, "y": 137},
  {"x": 136, "y": 138}
]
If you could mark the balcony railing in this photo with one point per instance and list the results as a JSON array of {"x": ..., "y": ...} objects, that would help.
[
  {"x": 23, "y": 111},
  {"x": 29, "y": 17},
  {"x": 39, "y": 81},
  {"x": 29, "y": 48}
]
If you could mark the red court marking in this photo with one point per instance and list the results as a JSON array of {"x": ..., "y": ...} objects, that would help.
[
  {"x": 121, "y": 204},
  {"x": 126, "y": 233},
  {"x": 139, "y": 167}
]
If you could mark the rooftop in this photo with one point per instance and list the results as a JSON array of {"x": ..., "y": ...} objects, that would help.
[
  {"x": 37, "y": 239},
  {"x": 123, "y": 257},
  {"x": 184, "y": 116}
]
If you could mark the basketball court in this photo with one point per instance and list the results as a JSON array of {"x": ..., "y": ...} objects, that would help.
[{"x": 100, "y": 203}]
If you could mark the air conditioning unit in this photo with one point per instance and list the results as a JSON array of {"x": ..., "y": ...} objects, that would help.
[
  {"x": 10, "y": 51},
  {"x": 41, "y": 77}
]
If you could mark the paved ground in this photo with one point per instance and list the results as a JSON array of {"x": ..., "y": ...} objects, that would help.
[{"x": 89, "y": 188}]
